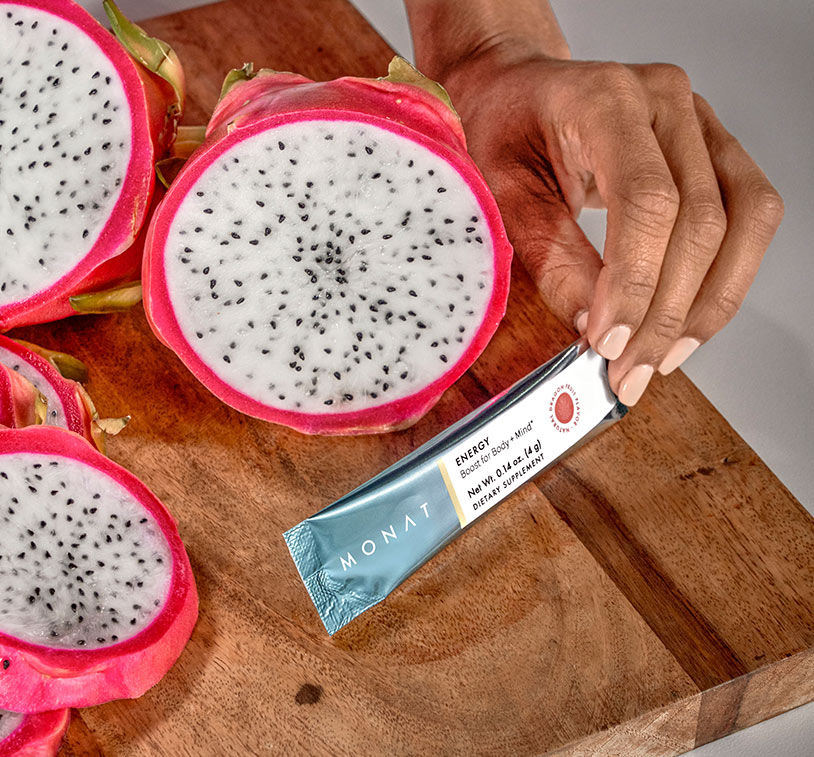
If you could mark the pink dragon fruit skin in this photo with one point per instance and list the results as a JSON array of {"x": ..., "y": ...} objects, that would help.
[
  {"x": 154, "y": 107},
  {"x": 35, "y": 735},
  {"x": 68, "y": 404},
  {"x": 18, "y": 400},
  {"x": 65, "y": 403},
  {"x": 269, "y": 100},
  {"x": 35, "y": 677}
]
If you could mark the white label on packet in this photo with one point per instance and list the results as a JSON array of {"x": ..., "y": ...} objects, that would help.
[{"x": 519, "y": 443}]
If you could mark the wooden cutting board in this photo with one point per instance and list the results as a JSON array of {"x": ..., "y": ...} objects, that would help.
[{"x": 653, "y": 592}]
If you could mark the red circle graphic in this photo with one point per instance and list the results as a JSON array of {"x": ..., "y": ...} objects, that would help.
[{"x": 564, "y": 408}]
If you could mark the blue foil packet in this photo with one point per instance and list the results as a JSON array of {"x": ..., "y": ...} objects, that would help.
[{"x": 353, "y": 553}]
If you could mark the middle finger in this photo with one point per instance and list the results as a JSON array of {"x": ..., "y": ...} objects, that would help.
[{"x": 695, "y": 239}]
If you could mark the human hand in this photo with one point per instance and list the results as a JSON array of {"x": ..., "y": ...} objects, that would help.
[{"x": 690, "y": 214}]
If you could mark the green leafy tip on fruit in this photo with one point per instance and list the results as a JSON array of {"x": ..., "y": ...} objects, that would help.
[
  {"x": 187, "y": 140},
  {"x": 108, "y": 301},
  {"x": 112, "y": 426},
  {"x": 41, "y": 409},
  {"x": 401, "y": 71},
  {"x": 68, "y": 366},
  {"x": 236, "y": 76},
  {"x": 154, "y": 54}
]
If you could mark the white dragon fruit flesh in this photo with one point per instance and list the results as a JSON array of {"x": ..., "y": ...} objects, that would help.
[
  {"x": 97, "y": 597},
  {"x": 330, "y": 258},
  {"x": 82, "y": 123}
]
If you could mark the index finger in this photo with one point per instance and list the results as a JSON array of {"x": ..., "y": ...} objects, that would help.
[{"x": 634, "y": 181}]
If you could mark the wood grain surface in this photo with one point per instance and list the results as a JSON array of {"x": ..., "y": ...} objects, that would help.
[{"x": 653, "y": 592}]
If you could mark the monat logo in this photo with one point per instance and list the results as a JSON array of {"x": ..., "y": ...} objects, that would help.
[
  {"x": 381, "y": 541},
  {"x": 563, "y": 409}
]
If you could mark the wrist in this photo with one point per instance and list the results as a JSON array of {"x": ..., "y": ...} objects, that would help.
[{"x": 449, "y": 41}]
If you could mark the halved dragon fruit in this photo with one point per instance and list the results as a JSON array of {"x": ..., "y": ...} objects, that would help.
[
  {"x": 97, "y": 597},
  {"x": 57, "y": 376},
  {"x": 82, "y": 124},
  {"x": 36, "y": 735},
  {"x": 330, "y": 258}
]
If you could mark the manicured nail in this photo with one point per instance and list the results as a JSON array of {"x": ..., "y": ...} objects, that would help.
[
  {"x": 634, "y": 383},
  {"x": 581, "y": 322},
  {"x": 614, "y": 342},
  {"x": 678, "y": 353}
]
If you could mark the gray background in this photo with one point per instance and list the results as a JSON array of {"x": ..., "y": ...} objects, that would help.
[{"x": 754, "y": 61}]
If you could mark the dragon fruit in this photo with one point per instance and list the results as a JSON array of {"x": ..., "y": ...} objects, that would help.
[
  {"x": 83, "y": 118},
  {"x": 330, "y": 258},
  {"x": 97, "y": 597},
  {"x": 57, "y": 377},
  {"x": 20, "y": 402},
  {"x": 36, "y": 735}
]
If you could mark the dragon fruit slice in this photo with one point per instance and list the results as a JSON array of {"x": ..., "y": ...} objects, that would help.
[
  {"x": 68, "y": 404},
  {"x": 81, "y": 126},
  {"x": 97, "y": 597},
  {"x": 20, "y": 402},
  {"x": 330, "y": 258},
  {"x": 36, "y": 735}
]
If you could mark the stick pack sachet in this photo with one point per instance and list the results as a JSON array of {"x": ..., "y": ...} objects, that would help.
[{"x": 353, "y": 553}]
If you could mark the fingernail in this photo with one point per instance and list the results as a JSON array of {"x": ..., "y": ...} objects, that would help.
[
  {"x": 634, "y": 383},
  {"x": 581, "y": 322},
  {"x": 678, "y": 353},
  {"x": 613, "y": 343}
]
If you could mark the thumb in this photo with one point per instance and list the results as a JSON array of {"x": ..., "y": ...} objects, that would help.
[{"x": 558, "y": 256}]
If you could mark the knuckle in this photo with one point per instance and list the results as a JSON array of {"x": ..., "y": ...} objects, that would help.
[
  {"x": 616, "y": 74},
  {"x": 614, "y": 89},
  {"x": 553, "y": 280},
  {"x": 637, "y": 283},
  {"x": 667, "y": 324},
  {"x": 702, "y": 107},
  {"x": 725, "y": 306},
  {"x": 707, "y": 224},
  {"x": 670, "y": 78},
  {"x": 652, "y": 201},
  {"x": 767, "y": 210}
]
